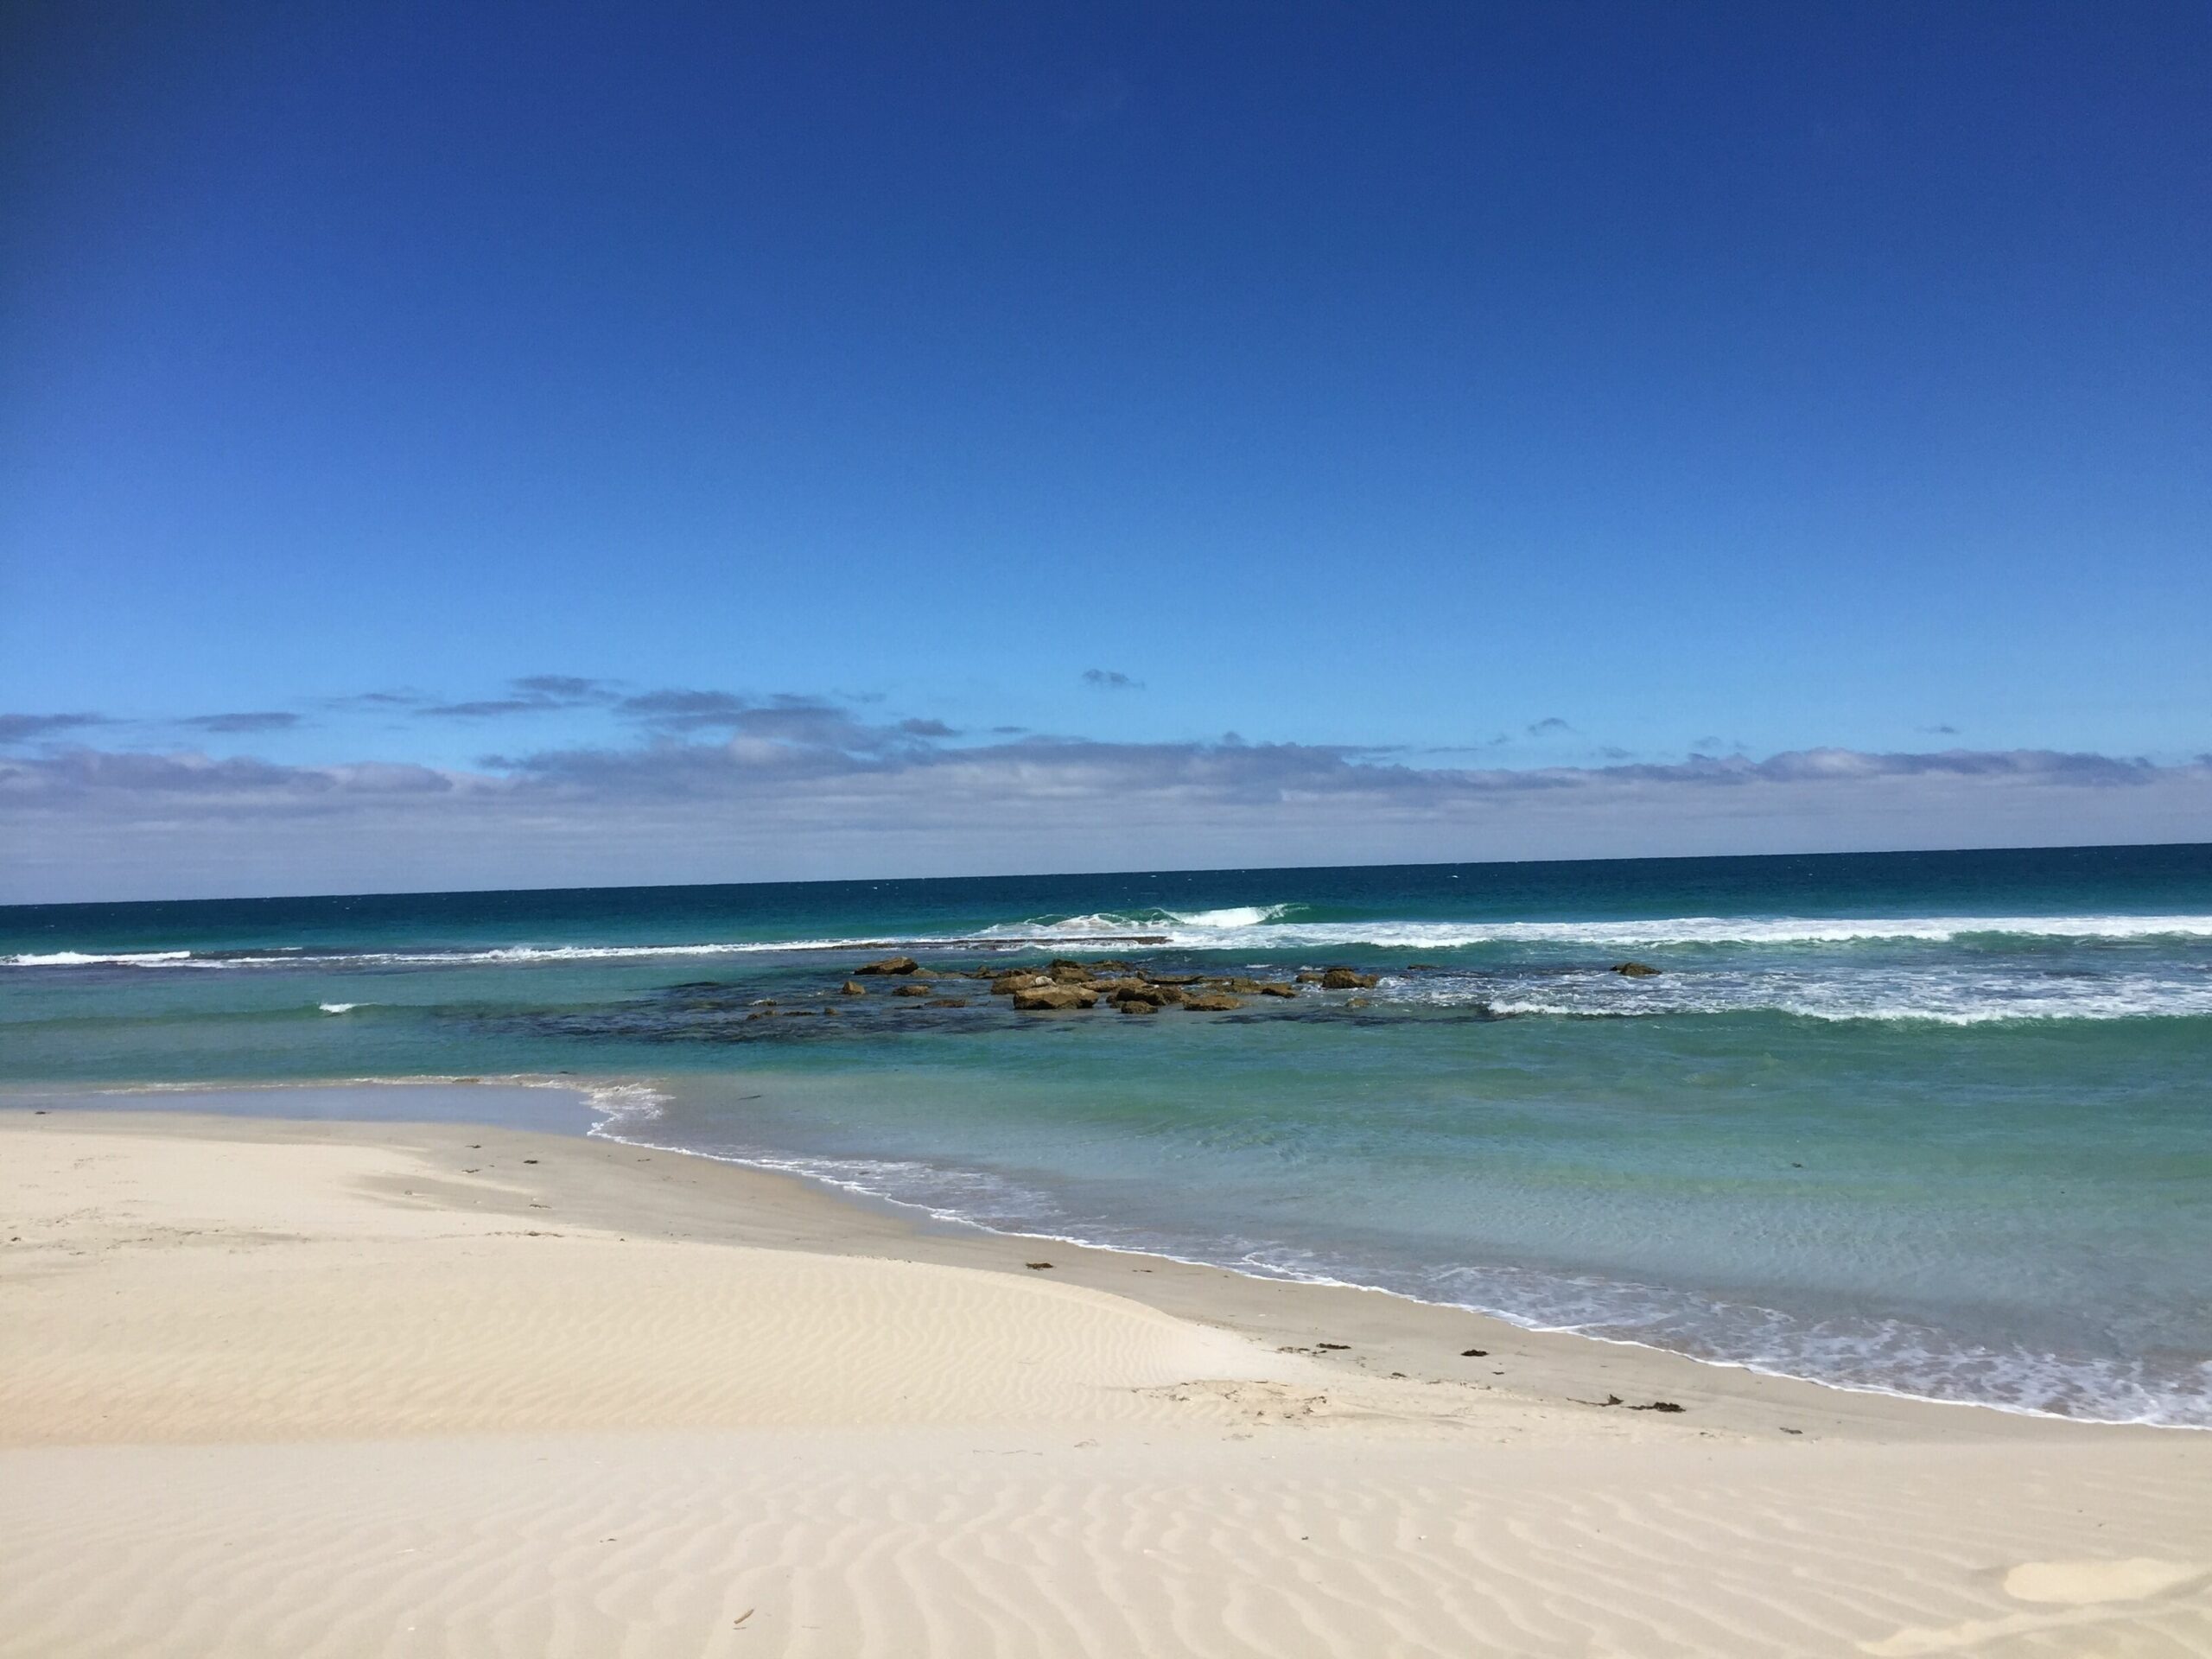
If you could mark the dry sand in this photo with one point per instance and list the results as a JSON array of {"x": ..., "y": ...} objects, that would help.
[{"x": 305, "y": 1388}]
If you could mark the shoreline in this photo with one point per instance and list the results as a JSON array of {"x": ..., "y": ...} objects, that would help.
[
  {"x": 282, "y": 1385},
  {"x": 1408, "y": 1335}
]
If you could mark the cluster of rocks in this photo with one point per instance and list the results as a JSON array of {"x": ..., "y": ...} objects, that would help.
[{"x": 1067, "y": 984}]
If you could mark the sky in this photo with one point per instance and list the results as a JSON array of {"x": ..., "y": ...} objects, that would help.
[{"x": 483, "y": 445}]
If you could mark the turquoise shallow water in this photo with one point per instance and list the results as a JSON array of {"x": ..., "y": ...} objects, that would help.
[{"x": 1934, "y": 1123}]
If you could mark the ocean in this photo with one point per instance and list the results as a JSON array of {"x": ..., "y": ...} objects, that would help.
[{"x": 1932, "y": 1123}]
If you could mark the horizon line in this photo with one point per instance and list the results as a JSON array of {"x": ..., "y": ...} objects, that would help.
[{"x": 1103, "y": 875}]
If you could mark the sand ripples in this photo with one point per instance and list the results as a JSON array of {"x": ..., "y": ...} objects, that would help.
[{"x": 843, "y": 1543}]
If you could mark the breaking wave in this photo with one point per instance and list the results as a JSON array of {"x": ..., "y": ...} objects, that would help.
[
  {"x": 1236, "y": 927},
  {"x": 1787, "y": 930},
  {"x": 108, "y": 959},
  {"x": 1228, "y": 918},
  {"x": 1934, "y": 996}
]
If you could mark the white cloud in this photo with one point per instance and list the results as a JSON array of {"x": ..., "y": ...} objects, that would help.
[{"x": 820, "y": 795}]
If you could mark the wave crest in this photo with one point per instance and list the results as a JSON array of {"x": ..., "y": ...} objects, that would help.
[
  {"x": 1150, "y": 919},
  {"x": 1235, "y": 927},
  {"x": 104, "y": 959}
]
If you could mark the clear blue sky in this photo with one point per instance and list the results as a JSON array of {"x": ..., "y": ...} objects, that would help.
[{"x": 1622, "y": 382}]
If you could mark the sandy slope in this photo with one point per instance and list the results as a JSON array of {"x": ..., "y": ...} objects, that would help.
[{"x": 340, "y": 1389}]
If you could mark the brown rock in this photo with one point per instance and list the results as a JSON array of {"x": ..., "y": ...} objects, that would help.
[
  {"x": 912, "y": 990},
  {"x": 852, "y": 988},
  {"x": 1276, "y": 987},
  {"x": 1210, "y": 1002},
  {"x": 1151, "y": 996},
  {"x": 1242, "y": 986},
  {"x": 1066, "y": 972},
  {"x": 948, "y": 1002},
  {"x": 1347, "y": 979},
  {"x": 888, "y": 965},
  {"x": 1137, "y": 1005},
  {"x": 1008, "y": 984},
  {"x": 1037, "y": 999},
  {"x": 1309, "y": 977},
  {"x": 1636, "y": 969}
]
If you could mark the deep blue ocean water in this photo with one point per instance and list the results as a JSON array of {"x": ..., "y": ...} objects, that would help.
[{"x": 1936, "y": 1122}]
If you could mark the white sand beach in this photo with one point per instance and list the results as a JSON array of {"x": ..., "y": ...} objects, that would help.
[{"x": 314, "y": 1388}]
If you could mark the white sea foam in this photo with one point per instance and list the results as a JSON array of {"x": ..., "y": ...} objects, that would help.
[
  {"x": 337, "y": 1007},
  {"x": 93, "y": 958},
  {"x": 1255, "y": 927},
  {"x": 529, "y": 953},
  {"x": 298, "y": 957},
  {"x": 1941, "y": 996},
  {"x": 1272, "y": 927},
  {"x": 1703, "y": 931},
  {"x": 625, "y": 1106},
  {"x": 1232, "y": 917}
]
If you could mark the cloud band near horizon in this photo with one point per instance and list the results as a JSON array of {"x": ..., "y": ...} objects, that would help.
[{"x": 793, "y": 789}]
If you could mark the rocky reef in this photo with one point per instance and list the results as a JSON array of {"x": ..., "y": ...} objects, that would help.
[{"x": 1066, "y": 984}]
